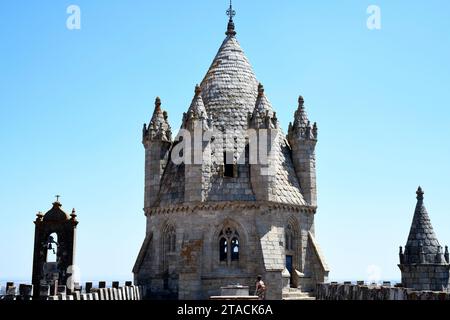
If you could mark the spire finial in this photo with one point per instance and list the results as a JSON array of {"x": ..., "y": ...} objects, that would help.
[
  {"x": 420, "y": 193},
  {"x": 260, "y": 90},
  {"x": 198, "y": 90},
  {"x": 57, "y": 198},
  {"x": 73, "y": 215},
  {"x": 158, "y": 103},
  {"x": 231, "y": 13},
  {"x": 301, "y": 101}
]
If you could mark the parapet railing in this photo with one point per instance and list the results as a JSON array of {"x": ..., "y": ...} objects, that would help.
[
  {"x": 363, "y": 291},
  {"x": 115, "y": 292}
]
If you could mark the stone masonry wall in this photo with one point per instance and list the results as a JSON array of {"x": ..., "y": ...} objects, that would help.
[
  {"x": 425, "y": 276},
  {"x": 195, "y": 268}
]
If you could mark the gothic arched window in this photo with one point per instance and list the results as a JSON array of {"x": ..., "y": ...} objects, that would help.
[
  {"x": 229, "y": 245},
  {"x": 289, "y": 238},
  {"x": 168, "y": 245},
  {"x": 170, "y": 240}
]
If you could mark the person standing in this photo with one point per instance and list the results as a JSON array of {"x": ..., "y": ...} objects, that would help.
[{"x": 260, "y": 290}]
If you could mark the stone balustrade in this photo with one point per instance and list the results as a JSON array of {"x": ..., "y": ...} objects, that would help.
[
  {"x": 99, "y": 293},
  {"x": 362, "y": 291}
]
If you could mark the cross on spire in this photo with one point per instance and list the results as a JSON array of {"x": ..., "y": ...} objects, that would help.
[
  {"x": 231, "y": 13},
  {"x": 57, "y": 197}
]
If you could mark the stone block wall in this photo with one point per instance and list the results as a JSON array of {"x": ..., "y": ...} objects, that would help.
[
  {"x": 197, "y": 270},
  {"x": 433, "y": 277}
]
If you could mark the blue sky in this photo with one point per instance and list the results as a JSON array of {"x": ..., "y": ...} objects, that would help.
[{"x": 72, "y": 105}]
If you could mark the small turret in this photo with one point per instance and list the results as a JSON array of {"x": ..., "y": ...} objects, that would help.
[
  {"x": 263, "y": 117},
  {"x": 301, "y": 128},
  {"x": 263, "y": 120},
  {"x": 302, "y": 137},
  {"x": 198, "y": 157},
  {"x": 158, "y": 127},
  {"x": 424, "y": 266},
  {"x": 157, "y": 140},
  {"x": 196, "y": 115}
]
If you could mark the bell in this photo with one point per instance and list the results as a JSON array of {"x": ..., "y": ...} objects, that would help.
[{"x": 50, "y": 247}]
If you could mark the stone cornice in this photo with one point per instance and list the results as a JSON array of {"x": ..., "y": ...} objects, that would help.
[{"x": 239, "y": 205}]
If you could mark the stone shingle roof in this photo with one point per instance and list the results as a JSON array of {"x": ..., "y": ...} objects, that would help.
[
  {"x": 196, "y": 112},
  {"x": 230, "y": 88},
  {"x": 229, "y": 93},
  {"x": 421, "y": 236},
  {"x": 300, "y": 116},
  {"x": 197, "y": 107},
  {"x": 158, "y": 127},
  {"x": 287, "y": 187},
  {"x": 262, "y": 111},
  {"x": 302, "y": 126}
]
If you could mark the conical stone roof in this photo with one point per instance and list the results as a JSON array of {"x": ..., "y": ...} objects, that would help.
[
  {"x": 230, "y": 88},
  {"x": 300, "y": 116},
  {"x": 229, "y": 93},
  {"x": 159, "y": 126},
  {"x": 422, "y": 240}
]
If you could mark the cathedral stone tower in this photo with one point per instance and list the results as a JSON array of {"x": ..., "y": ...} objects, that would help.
[
  {"x": 242, "y": 200},
  {"x": 424, "y": 265}
]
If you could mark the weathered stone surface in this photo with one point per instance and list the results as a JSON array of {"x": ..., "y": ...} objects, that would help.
[
  {"x": 335, "y": 291},
  {"x": 223, "y": 221},
  {"x": 423, "y": 264},
  {"x": 54, "y": 221},
  {"x": 236, "y": 290}
]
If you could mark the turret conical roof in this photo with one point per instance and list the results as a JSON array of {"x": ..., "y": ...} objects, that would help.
[
  {"x": 229, "y": 88},
  {"x": 159, "y": 127},
  {"x": 229, "y": 93},
  {"x": 422, "y": 245}
]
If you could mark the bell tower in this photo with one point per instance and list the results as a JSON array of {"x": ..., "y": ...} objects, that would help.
[{"x": 54, "y": 236}]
